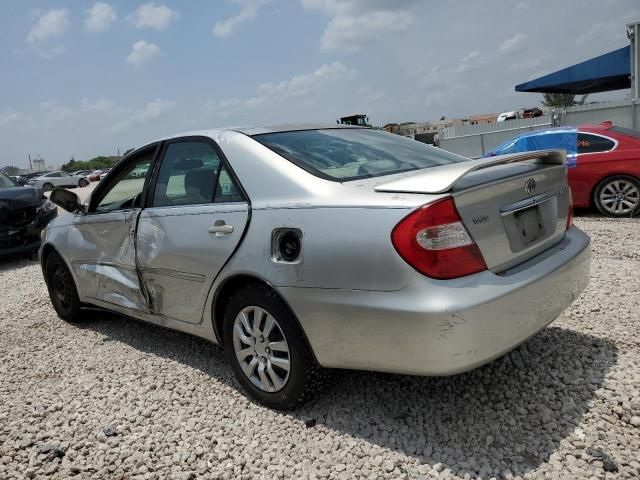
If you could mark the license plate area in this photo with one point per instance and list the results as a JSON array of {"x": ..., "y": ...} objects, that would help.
[
  {"x": 529, "y": 221},
  {"x": 530, "y": 225}
]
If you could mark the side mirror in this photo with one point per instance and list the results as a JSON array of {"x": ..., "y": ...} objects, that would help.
[{"x": 67, "y": 200}]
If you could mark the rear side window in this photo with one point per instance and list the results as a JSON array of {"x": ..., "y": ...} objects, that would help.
[
  {"x": 594, "y": 143},
  {"x": 344, "y": 154},
  {"x": 187, "y": 175},
  {"x": 192, "y": 173},
  {"x": 227, "y": 191}
]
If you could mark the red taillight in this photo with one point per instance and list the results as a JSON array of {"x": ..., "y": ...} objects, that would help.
[
  {"x": 434, "y": 241},
  {"x": 570, "y": 212}
]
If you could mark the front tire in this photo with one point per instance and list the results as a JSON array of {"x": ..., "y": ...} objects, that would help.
[
  {"x": 62, "y": 289},
  {"x": 618, "y": 196},
  {"x": 83, "y": 183},
  {"x": 47, "y": 187},
  {"x": 267, "y": 350}
]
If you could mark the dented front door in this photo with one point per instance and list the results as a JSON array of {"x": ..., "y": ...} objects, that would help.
[
  {"x": 105, "y": 261},
  {"x": 104, "y": 238}
]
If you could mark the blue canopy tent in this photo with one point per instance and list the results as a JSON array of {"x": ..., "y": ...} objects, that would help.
[{"x": 611, "y": 71}]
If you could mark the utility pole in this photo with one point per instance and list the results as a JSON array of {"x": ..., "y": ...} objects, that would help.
[{"x": 30, "y": 166}]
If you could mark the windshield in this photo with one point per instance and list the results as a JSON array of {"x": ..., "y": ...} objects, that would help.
[
  {"x": 349, "y": 154},
  {"x": 6, "y": 182}
]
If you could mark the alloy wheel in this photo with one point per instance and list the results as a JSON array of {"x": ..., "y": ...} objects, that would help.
[
  {"x": 261, "y": 349},
  {"x": 620, "y": 197}
]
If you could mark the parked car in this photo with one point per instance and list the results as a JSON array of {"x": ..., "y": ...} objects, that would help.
[
  {"x": 95, "y": 175},
  {"x": 31, "y": 175},
  {"x": 24, "y": 212},
  {"x": 81, "y": 173},
  {"x": 503, "y": 117},
  {"x": 58, "y": 179},
  {"x": 302, "y": 248},
  {"x": 19, "y": 180},
  {"x": 531, "y": 113},
  {"x": 104, "y": 173},
  {"x": 604, "y": 164}
]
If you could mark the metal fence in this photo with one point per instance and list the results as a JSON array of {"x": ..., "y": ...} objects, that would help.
[{"x": 478, "y": 140}]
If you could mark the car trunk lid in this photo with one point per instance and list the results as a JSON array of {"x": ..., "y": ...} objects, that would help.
[{"x": 513, "y": 206}]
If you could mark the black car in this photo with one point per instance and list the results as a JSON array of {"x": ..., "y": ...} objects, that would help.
[{"x": 24, "y": 212}]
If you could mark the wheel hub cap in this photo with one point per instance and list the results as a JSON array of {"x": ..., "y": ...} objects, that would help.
[
  {"x": 620, "y": 197},
  {"x": 261, "y": 349}
]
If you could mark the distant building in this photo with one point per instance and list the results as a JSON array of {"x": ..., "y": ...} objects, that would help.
[
  {"x": 38, "y": 164},
  {"x": 487, "y": 118}
]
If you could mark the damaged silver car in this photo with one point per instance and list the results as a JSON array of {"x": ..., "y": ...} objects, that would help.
[{"x": 306, "y": 248}]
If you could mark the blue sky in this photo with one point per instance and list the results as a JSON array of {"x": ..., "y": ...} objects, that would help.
[{"x": 88, "y": 78}]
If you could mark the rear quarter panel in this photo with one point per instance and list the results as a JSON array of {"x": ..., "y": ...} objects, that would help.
[{"x": 342, "y": 248}]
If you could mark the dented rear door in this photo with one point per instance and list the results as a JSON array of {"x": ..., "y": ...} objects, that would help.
[{"x": 195, "y": 219}]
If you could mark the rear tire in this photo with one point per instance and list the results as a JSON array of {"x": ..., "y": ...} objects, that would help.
[
  {"x": 83, "y": 183},
  {"x": 286, "y": 375},
  {"x": 62, "y": 289},
  {"x": 618, "y": 196},
  {"x": 47, "y": 187}
]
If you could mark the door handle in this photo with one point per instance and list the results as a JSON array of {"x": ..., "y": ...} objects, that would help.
[{"x": 220, "y": 228}]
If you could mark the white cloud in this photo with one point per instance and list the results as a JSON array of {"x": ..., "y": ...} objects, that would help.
[
  {"x": 142, "y": 52},
  {"x": 51, "y": 24},
  {"x": 152, "y": 111},
  {"x": 55, "y": 110},
  {"x": 99, "y": 106},
  {"x": 520, "y": 8},
  {"x": 306, "y": 83},
  {"x": 513, "y": 44},
  {"x": 8, "y": 117},
  {"x": 467, "y": 62},
  {"x": 318, "y": 94},
  {"x": 100, "y": 17},
  {"x": 356, "y": 22},
  {"x": 151, "y": 16},
  {"x": 248, "y": 12}
]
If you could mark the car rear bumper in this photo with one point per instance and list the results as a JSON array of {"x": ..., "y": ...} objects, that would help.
[{"x": 442, "y": 327}]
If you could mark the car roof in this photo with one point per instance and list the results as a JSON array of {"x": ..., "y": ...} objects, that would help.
[{"x": 257, "y": 130}]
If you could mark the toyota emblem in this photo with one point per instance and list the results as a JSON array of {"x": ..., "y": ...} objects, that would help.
[{"x": 530, "y": 186}]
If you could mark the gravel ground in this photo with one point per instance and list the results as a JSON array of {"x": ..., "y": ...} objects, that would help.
[{"x": 113, "y": 398}]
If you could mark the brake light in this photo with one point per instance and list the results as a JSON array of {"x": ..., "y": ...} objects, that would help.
[
  {"x": 433, "y": 240},
  {"x": 570, "y": 212}
]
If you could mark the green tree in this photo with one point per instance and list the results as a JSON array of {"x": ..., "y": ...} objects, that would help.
[
  {"x": 561, "y": 100},
  {"x": 93, "y": 164}
]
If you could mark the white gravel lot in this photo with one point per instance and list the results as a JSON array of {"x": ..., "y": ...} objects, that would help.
[{"x": 113, "y": 398}]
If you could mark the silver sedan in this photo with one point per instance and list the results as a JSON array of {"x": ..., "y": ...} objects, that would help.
[{"x": 301, "y": 249}]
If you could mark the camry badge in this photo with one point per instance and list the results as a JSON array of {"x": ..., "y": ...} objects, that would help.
[{"x": 530, "y": 186}]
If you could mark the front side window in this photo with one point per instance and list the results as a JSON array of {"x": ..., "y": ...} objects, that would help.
[
  {"x": 345, "y": 154},
  {"x": 594, "y": 143},
  {"x": 126, "y": 191}
]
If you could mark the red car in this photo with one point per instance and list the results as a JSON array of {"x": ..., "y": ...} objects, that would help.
[{"x": 604, "y": 164}]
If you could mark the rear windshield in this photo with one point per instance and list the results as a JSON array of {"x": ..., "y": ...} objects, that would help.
[
  {"x": 626, "y": 131},
  {"x": 345, "y": 154}
]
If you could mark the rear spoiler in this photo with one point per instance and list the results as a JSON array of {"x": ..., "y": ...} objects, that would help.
[{"x": 442, "y": 178}]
